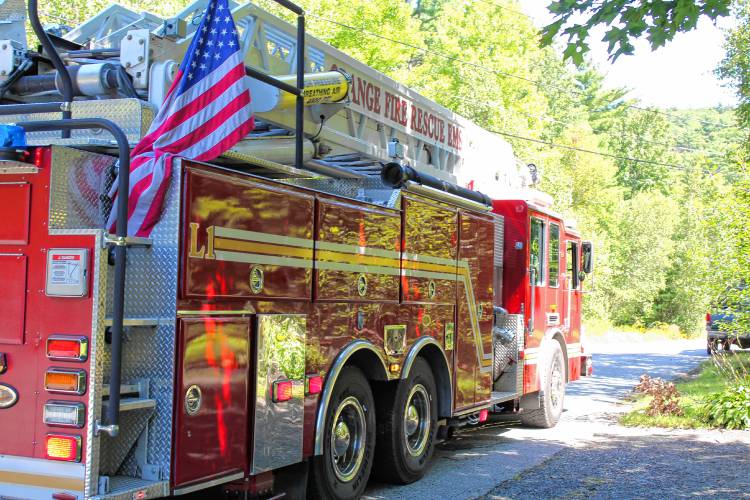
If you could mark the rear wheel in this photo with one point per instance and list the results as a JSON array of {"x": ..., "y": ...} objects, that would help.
[
  {"x": 407, "y": 423},
  {"x": 343, "y": 469},
  {"x": 552, "y": 390}
]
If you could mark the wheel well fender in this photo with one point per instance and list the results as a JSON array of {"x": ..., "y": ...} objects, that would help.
[
  {"x": 360, "y": 353},
  {"x": 432, "y": 352}
]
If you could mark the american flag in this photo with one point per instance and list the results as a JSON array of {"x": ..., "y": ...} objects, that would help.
[{"x": 206, "y": 111}]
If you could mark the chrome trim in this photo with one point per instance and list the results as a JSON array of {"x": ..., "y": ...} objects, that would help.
[
  {"x": 332, "y": 376},
  {"x": 84, "y": 341},
  {"x": 13, "y": 393},
  {"x": 80, "y": 414},
  {"x": 274, "y": 423},
  {"x": 208, "y": 484},
  {"x": 445, "y": 401},
  {"x": 473, "y": 409},
  {"x": 442, "y": 196},
  {"x": 76, "y": 438},
  {"x": 414, "y": 350},
  {"x": 81, "y": 387}
]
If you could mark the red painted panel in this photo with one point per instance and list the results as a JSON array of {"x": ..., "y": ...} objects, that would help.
[
  {"x": 431, "y": 231},
  {"x": 353, "y": 240},
  {"x": 475, "y": 251},
  {"x": 14, "y": 212},
  {"x": 213, "y": 354},
  {"x": 44, "y": 316},
  {"x": 239, "y": 224},
  {"x": 12, "y": 298}
]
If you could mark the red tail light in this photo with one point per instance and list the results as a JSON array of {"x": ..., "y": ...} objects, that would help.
[
  {"x": 63, "y": 496},
  {"x": 282, "y": 391},
  {"x": 65, "y": 348},
  {"x": 63, "y": 447},
  {"x": 708, "y": 317},
  {"x": 314, "y": 384}
]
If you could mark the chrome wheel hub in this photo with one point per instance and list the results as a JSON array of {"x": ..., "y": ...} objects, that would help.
[
  {"x": 348, "y": 439},
  {"x": 557, "y": 384},
  {"x": 417, "y": 420}
]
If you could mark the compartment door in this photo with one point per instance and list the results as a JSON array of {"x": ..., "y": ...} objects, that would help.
[
  {"x": 475, "y": 301},
  {"x": 12, "y": 298},
  {"x": 211, "y": 401}
]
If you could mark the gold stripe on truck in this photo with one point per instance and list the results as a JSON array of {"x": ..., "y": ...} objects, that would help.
[{"x": 41, "y": 480}]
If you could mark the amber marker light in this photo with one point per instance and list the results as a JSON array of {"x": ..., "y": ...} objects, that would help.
[
  {"x": 281, "y": 391},
  {"x": 67, "y": 348},
  {"x": 63, "y": 447},
  {"x": 65, "y": 381}
]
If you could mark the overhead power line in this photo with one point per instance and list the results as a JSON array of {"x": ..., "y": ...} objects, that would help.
[
  {"x": 564, "y": 123},
  {"x": 504, "y": 73},
  {"x": 589, "y": 151}
]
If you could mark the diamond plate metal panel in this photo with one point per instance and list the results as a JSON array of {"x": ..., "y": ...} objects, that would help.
[
  {"x": 148, "y": 354},
  {"x": 514, "y": 324},
  {"x": 114, "y": 450},
  {"x": 129, "y": 488},
  {"x": 94, "y": 407},
  {"x": 132, "y": 115},
  {"x": 370, "y": 190},
  {"x": 79, "y": 182}
]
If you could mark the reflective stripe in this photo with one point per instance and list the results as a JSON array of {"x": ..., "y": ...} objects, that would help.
[
  {"x": 253, "y": 258},
  {"x": 264, "y": 248},
  {"x": 356, "y": 249},
  {"x": 41, "y": 480},
  {"x": 241, "y": 234},
  {"x": 329, "y": 256},
  {"x": 357, "y": 268}
]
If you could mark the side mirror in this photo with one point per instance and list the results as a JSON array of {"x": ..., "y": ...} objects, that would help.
[
  {"x": 587, "y": 250},
  {"x": 581, "y": 276}
]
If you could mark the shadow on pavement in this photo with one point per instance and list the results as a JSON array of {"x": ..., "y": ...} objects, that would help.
[{"x": 638, "y": 467}]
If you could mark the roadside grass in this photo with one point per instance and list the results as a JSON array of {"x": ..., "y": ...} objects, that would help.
[
  {"x": 605, "y": 332},
  {"x": 710, "y": 377}
]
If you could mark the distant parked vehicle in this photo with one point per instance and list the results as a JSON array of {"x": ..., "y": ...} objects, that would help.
[{"x": 720, "y": 333}]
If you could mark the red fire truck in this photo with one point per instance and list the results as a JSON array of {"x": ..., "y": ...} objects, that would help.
[{"x": 321, "y": 304}]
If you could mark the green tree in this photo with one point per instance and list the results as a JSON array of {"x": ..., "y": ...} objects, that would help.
[{"x": 625, "y": 20}]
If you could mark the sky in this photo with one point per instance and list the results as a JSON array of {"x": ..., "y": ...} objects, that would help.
[{"x": 679, "y": 75}]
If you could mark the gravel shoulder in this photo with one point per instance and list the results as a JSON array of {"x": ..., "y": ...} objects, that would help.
[
  {"x": 587, "y": 455},
  {"x": 642, "y": 464}
]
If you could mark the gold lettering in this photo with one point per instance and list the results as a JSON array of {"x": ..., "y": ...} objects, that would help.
[
  {"x": 210, "y": 242},
  {"x": 194, "y": 252}
]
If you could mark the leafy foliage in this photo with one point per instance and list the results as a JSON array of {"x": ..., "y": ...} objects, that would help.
[
  {"x": 731, "y": 407},
  {"x": 625, "y": 20}
]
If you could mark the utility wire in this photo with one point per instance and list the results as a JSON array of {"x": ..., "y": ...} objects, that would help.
[
  {"x": 589, "y": 151},
  {"x": 506, "y": 74},
  {"x": 564, "y": 123}
]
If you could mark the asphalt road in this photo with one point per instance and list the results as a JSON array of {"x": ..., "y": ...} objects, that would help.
[{"x": 477, "y": 461}]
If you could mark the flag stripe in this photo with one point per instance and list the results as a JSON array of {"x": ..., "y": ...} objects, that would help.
[
  {"x": 199, "y": 102},
  {"x": 207, "y": 110}
]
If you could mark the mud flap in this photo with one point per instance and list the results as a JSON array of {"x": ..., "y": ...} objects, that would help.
[{"x": 530, "y": 401}]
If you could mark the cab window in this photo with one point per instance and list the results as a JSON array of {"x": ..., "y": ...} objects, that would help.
[
  {"x": 536, "y": 250},
  {"x": 572, "y": 269},
  {"x": 554, "y": 255}
]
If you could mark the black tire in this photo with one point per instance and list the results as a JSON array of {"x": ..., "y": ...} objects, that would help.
[
  {"x": 551, "y": 392},
  {"x": 353, "y": 407},
  {"x": 727, "y": 345},
  {"x": 406, "y": 434}
]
